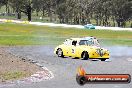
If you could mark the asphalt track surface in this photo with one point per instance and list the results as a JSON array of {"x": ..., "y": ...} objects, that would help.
[{"x": 65, "y": 69}]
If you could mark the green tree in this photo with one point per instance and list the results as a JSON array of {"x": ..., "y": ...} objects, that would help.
[
  {"x": 122, "y": 11},
  {"x": 22, "y": 6}
]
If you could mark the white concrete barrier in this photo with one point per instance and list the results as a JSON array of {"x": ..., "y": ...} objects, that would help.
[{"x": 65, "y": 25}]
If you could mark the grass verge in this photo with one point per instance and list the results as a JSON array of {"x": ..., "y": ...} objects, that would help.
[
  {"x": 12, "y": 76},
  {"x": 20, "y": 34}
]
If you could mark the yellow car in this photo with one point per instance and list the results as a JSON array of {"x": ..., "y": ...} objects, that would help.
[{"x": 84, "y": 48}]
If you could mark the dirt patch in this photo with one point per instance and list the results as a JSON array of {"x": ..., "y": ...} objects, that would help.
[{"x": 12, "y": 67}]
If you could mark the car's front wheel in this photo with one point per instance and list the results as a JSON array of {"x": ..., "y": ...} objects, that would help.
[{"x": 60, "y": 53}]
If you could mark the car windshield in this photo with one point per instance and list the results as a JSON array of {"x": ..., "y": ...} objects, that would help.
[
  {"x": 90, "y": 42},
  {"x": 89, "y": 25}
]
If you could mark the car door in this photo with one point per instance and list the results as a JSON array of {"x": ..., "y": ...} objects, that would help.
[
  {"x": 72, "y": 49},
  {"x": 66, "y": 50}
]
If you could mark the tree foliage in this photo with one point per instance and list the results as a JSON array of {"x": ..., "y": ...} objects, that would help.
[{"x": 76, "y": 11}]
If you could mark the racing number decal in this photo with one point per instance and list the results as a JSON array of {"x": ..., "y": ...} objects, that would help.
[{"x": 73, "y": 50}]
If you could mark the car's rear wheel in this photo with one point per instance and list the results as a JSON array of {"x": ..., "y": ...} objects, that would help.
[
  {"x": 103, "y": 59},
  {"x": 85, "y": 56},
  {"x": 60, "y": 53}
]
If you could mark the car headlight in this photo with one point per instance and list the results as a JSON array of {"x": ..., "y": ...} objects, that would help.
[{"x": 106, "y": 52}]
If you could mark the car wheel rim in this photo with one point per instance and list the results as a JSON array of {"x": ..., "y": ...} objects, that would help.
[{"x": 84, "y": 55}]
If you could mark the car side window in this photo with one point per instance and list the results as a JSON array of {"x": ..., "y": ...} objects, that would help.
[
  {"x": 83, "y": 42},
  {"x": 74, "y": 43}
]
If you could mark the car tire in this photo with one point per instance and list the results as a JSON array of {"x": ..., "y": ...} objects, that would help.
[
  {"x": 85, "y": 56},
  {"x": 60, "y": 53},
  {"x": 103, "y": 59}
]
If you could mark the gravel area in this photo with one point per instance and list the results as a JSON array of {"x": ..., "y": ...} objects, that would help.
[
  {"x": 64, "y": 69},
  {"x": 10, "y": 63}
]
